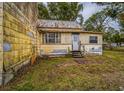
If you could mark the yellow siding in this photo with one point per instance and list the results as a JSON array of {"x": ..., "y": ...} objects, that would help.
[
  {"x": 41, "y": 38},
  {"x": 16, "y": 33},
  {"x": 66, "y": 38},
  {"x": 66, "y": 42},
  {"x": 49, "y": 48},
  {"x": 1, "y": 41},
  {"x": 84, "y": 38},
  {"x": 88, "y": 48}
]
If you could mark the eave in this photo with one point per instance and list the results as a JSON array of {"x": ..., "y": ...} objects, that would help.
[{"x": 66, "y": 30}]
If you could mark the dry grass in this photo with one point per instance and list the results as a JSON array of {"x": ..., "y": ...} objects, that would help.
[{"x": 94, "y": 73}]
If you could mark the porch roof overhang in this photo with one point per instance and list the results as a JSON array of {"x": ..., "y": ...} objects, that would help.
[
  {"x": 66, "y": 30},
  {"x": 59, "y": 29}
]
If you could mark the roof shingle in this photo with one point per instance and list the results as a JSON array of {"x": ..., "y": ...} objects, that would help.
[{"x": 58, "y": 24}]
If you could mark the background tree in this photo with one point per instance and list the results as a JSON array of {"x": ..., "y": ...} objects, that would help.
[
  {"x": 69, "y": 11},
  {"x": 43, "y": 12},
  {"x": 100, "y": 22},
  {"x": 116, "y": 38},
  {"x": 121, "y": 22},
  {"x": 115, "y": 10},
  {"x": 97, "y": 22}
]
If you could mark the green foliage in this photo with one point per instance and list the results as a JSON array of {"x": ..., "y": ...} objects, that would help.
[
  {"x": 43, "y": 13},
  {"x": 121, "y": 22},
  {"x": 115, "y": 11},
  {"x": 96, "y": 22},
  {"x": 114, "y": 8},
  {"x": 99, "y": 22},
  {"x": 61, "y": 11},
  {"x": 116, "y": 38},
  {"x": 108, "y": 35},
  {"x": 113, "y": 36}
]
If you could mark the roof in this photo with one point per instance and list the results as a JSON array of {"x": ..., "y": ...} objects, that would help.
[
  {"x": 61, "y": 26},
  {"x": 57, "y": 24}
]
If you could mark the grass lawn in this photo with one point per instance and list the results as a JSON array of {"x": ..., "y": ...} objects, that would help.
[{"x": 89, "y": 73}]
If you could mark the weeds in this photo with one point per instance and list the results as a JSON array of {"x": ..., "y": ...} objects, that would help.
[{"x": 98, "y": 73}]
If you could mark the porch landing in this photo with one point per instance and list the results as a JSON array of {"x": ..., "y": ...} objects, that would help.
[{"x": 77, "y": 54}]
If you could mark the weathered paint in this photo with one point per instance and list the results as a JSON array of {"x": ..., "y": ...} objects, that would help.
[
  {"x": 16, "y": 28},
  {"x": 92, "y": 49},
  {"x": 84, "y": 38},
  {"x": 58, "y": 24},
  {"x": 46, "y": 49},
  {"x": 66, "y": 43},
  {"x": 66, "y": 38},
  {"x": 1, "y": 42},
  {"x": 16, "y": 22}
]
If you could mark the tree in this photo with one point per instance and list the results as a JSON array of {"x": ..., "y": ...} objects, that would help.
[
  {"x": 115, "y": 8},
  {"x": 97, "y": 22},
  {"x": 122, "y": 37},
  {"x": 43, "y": 11},
  {"x": 116, "y": 39},
  {"x": 115, "y": 11},
  {"x": 121, "y": 22},
  {"x": 108, "y": 35},
  {"x": 61, "y": 11},
  {"x": 112, "y": 36},
  {"x": 80, "y": 19}
]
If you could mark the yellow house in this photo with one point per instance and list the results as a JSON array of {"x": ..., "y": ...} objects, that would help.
[{"x": 61, "y": 37}]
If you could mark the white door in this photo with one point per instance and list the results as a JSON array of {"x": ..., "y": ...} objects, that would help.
[{"x": 75, "y": 42}]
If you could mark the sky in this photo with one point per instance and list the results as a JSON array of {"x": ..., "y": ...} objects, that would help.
[{"x": 90, "y": 9}]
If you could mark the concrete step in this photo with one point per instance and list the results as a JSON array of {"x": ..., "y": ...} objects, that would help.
[{"x": 77, "y": 54}]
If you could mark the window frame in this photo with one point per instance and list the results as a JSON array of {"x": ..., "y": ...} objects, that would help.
[
  {"x": 47, "y": 38},
  {"x": 95, "y": 41}
]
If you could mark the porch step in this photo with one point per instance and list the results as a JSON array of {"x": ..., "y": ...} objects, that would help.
[{"x": 77, "y": 54}]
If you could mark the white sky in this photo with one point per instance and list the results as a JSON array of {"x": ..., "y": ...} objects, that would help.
[{"x": 90, "y": 9}]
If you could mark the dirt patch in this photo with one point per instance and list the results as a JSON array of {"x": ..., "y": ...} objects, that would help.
[
  {"x": 114, "y": 79},
  {"x": 73, "y": 75},
  {"x": 66, "y": 64},
  {"x": 87, "y": 61},
  {"x": 115, "y": 76}
]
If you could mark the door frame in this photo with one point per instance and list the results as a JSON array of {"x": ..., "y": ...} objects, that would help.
[{"x": 77, "y": 42}]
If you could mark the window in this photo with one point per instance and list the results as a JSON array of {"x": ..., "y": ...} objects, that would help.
[
  {"x": 93, "y": 39},
  {"x": 51, "y": 38}
]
